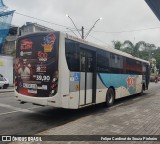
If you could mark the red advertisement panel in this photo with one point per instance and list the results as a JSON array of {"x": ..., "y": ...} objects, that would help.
[{"x": 36, "y": 65}]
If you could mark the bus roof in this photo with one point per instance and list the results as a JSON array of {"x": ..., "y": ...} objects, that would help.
[
  {"x": 36, "y": 33},
  {"x": 110, "y": 49}
]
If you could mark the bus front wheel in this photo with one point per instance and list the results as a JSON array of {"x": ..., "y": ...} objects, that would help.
[{"x": 110, "y": 97}]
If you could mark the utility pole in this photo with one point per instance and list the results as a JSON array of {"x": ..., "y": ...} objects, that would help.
[{"x": 82, "y": 29}]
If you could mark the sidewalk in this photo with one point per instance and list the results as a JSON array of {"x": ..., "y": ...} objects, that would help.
[
  {"x": 137, "y": 116},
  {"x": 9, "y": 89}
]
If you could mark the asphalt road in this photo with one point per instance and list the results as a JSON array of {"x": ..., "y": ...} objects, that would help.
[{"x": 28, "y": 119}]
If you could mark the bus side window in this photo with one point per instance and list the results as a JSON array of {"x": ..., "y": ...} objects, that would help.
[
  {"x": 72, "y": 55},
  {"x": 74, "y": 61},
  {"x": 83, "y": 62},
  {"x": 102, "y": 61},
  {"x": 90, "y": 64},
  {"x": 116, "y": 63}
]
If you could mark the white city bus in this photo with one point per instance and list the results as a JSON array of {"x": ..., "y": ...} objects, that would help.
[{"x": 59, "y": 70}]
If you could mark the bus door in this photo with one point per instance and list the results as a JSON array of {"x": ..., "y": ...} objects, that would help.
[{"x": 87, "y": 78}]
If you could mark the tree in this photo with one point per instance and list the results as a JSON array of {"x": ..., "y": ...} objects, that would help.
[
  {"x": 133, "y": 49},
  {"x": 117, "y": 45},
  {"x": 141, "y": 49},
  {"x": 157, "y": 57},
  {"x": 150, "y": 49}
]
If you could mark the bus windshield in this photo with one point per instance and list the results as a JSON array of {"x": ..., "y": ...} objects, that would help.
[{"x": 36, "y": 65}]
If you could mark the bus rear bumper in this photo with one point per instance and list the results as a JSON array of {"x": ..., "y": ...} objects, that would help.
[{"x": 45, "y": 101}]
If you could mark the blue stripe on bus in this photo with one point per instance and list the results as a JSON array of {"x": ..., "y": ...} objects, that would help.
[{"x": 117, "y": 81}]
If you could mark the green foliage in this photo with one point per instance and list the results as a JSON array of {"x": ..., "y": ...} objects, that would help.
[
  {"x": 117, "y": 45},
  {"x": 133, "y": 49},
  {"x": 141, "y": 49}
]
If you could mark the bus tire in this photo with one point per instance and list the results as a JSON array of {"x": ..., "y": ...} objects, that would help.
[{"x": 110, "y": 97}]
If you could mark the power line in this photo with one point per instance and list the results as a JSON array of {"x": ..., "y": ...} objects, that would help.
[
  {"x": 125, "y": 31},
  {"x": 72, "y": 32},
  {"x": 92, "y": 37},
  {"x": 42, "y": 20},
  {"x": 99, "y": 40},
  {"x": 112, "y": 32}
]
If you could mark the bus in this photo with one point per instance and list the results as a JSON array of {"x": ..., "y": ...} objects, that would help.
[{"x": 60, "y": 70}]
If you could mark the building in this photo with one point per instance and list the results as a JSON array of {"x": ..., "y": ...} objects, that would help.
[
  {"x": 33, "y": 27},
  {"x": 9, "y": 45},
  {"x": 6, "y": 67}
]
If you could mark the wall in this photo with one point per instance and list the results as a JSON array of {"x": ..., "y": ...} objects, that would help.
[{"x": 6, "y": 67}]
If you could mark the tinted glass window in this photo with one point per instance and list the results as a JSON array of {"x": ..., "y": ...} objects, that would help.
[
  {"x": 102, "y": 61},
  {"x": 133, "y": 66},
  {"x": 86, "y": 58},
  {"x": 72, "y": 55},
  {"x": 116, "y": 61},
  {"x": 90, "y": 64}
]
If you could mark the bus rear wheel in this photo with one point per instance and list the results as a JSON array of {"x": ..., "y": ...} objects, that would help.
[{"x": 110, "y": 97}]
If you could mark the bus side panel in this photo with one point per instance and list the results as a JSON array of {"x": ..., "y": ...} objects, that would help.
[
  {"x": 112, "y": 80},
  {"x": 124, "y": 85},
  {"x": 69, "y": 81},
  {"x": 74, "y": 86},
  {"x": 73, "y": 100},
  {"x": 64, "y": 74},
  {"x": 139, "y": 84},
  {"x": 133, "y": 84},
  {"x": 100, "y": 91}
]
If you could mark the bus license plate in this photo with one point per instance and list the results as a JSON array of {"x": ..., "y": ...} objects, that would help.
[{"x": 31, "y": 86}]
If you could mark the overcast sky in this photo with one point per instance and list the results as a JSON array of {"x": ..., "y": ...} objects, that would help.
[{"x": 118, "y": 16}]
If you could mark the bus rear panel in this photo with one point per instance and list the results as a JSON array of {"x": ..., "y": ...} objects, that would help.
[{"x": 36, "y": 65}]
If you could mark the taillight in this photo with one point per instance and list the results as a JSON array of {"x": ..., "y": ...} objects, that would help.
[{"x": 54, "y": 86}]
